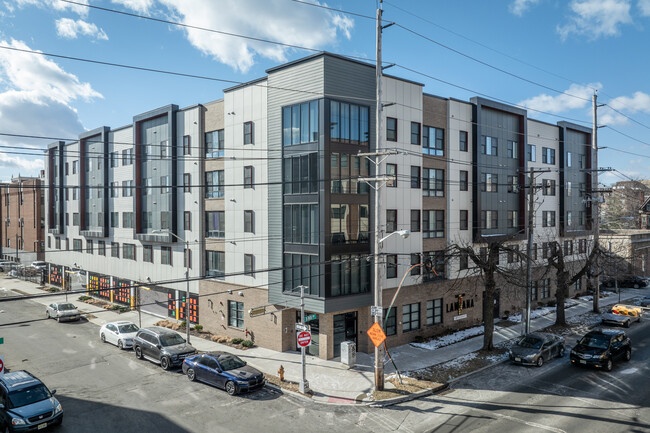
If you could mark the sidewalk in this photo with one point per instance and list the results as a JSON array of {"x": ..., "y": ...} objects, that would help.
[{"x": 331, "y": 381}]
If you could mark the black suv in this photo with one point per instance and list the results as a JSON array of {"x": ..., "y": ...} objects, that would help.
[
  {"x": 26, "y": 404},
  {"x": 599, "y": 348},
  {"x": 161, "y": 345}
]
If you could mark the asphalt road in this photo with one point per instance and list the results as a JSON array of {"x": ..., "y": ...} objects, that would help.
[{"x": 103, "y": 389}]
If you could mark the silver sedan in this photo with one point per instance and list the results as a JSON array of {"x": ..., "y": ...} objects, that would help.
[
  {"x": 62, "y": 311},
  {"x": 119, "y": 333}
]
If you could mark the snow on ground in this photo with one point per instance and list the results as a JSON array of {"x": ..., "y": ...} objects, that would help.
[
  {"x": 538, "y": 312},
  {"x": 460, "y": 361},
  {"x": 446, "y": 340}
]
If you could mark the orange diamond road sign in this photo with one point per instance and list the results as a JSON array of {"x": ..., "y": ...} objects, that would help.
[{"x": 376, "y": 334}]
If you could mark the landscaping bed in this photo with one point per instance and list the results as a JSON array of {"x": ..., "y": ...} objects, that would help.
[
  {"x": 103, "y": 304},
  {"x": 197, "y": 331}
]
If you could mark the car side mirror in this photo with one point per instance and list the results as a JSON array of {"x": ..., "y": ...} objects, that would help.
[
  {"x": 158, "y": 346},
  {"x": 53, "y": 392}
]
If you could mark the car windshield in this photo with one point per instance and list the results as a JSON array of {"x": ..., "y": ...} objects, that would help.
[
  {"x": 125, "y": 329},
  {"x": 171, "y": 339},
  {"x": 530, "y": 342},
  {"x": 67, "y": 307},
  {"x": 594, "y": 342},
  {"x": 231, "y": 362},
  {"x": 29, "y": 395}
]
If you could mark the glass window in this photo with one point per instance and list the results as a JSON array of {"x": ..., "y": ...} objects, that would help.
[
  {"x": 187, "y": 148},
  {"x": 249, "y": 221},
  {"x": 248, "y": 176},
  {"x": 215, "y": 224},
  {"x": 391, "y": 220},
  {"x": 214, "y": 144},
  {"x": 489, "y": 219},
  {"x": 127, "y": 220},
  {"x": 415, "y": 133},
  {"x": 433, "y": 141},
  {"x": 248, "y": 133},
  {"x": 164, "y": 185},
  {"x": 115, "y": 249},
  {"x": 187, "y": 182},
  {"x": 249, "y": 265},
  {"x": 415, "y": 220},
  {"x": 215, "y": 263},
  {"x": 101, "y": 248},
  {"x": 390, "y": 321},
  {"x": 391, "y": 129},
  {"x": 433, "y": 182},
  {"x": 489, "y": 145},
  {"x": 391, "y": 172},
  {"x": 568, "y": 159},
  {"x": 434, "y": 311},
  {"x": 127, "y": 188},
  {"x": 532, "y": 153},
  {"x": 415, "y": 176},
  {"x": 187, "y": 220},
  {"x": 391, "y": 266},
  {"x": 512, "y": 149},
  {"x": 464, "y": 219},
  {"x": 512, "y": 219},
  {"x": 548, "y": 155},
  {"x": 165, "y": 255},
  {"x": 236, "y": 314},
  {"x": 433, "y": 223},
  {"x": 464, "y": 180},
  {"x": 462, "y": 137},
  {"x": 214, "y": 184},
  {"x": 147, "y": 253},
  {"x": 128, "y": 251},
  {"x": 489, "y": 182},
  {"x": 410, "y": 317}
]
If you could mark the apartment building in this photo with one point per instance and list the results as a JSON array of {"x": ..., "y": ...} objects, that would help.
[
  {"x": 272, "y": 186},
  {"x": 121, "y": 206},
  {"x": 23, "y": 219}
]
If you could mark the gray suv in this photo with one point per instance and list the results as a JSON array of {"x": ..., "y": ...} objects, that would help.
[
  {"x": 26, "y": 404},
  {"x": 162, "y": 346}
]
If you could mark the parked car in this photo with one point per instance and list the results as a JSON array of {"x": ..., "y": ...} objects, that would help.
[
  {"x": 626, "y": 282},
  {"x": 120, "y": 333},
  {"x": 600, "y": 348},
  {"x": 645, "y": 302},
  {"x": 62, "y": 311},
  {"x": 622, "y": 315},
  {"x": 535, "y": 348},
  {"x": 39, "y": 265},
  {"x": 223, "y": 370},
  {"x": 7, "y": 266},
  {"x": 162, "y": 346},
  {"x": 26, "y": 404}
]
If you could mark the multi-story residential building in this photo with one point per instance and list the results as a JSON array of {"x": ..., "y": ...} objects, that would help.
[
  {"x": 121, "y": 206},
  {"x": 285, "y": 165},
  {"x": 23, "y": 219}
]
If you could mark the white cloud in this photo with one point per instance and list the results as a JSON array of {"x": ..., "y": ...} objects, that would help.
[
  {"x": 142, "y": 6},
  {"x": 639, "y": 102},
  {"x": 576, "y": 96},
  {"x": 58, "y": 5},
  {"x": 36, "y": 101},
  {"x": 596, "y": 18},
  {"x": 518, "y": 7},
  {"x": 276, "y": 20},
  {"x": 70, "y": 29},
  {"x": 644, "y": 6}
]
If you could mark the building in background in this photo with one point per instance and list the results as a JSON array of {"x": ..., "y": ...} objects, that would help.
[{"x": 23, "y": 219}]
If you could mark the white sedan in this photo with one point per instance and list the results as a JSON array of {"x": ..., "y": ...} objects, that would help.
[{"x": 119, "y": 333}]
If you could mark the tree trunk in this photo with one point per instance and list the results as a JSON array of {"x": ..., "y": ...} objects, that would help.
[
  {"x": 488, "y": 311},
  {"x": 560, "y": 296}
]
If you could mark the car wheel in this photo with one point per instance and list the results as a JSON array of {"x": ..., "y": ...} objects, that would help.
[
  {"x": 608, "y": 365},
  {"x": 58, "y": 319},
  {"x": 103, "y": 337},
  {"x": 628, "y": 354},
  {"x": 561, "y": 352},
  {"x": 47, "y": 314},
  {"x": 120, "y": 345},
  {"x": 164, "y": 363},
  {"x": 230, "y": 388},
  {"x": 636, "y": 285},
  {"x": 540, "y": 361},
  {"x": 191, "y": 375},
  {"x": 138, "y": 352},
  {"x": 627, "y": 324}
]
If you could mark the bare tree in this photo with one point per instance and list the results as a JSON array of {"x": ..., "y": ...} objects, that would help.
[
  {"x": 487, "y": 262},
  {"x": 566, "y": 276}
]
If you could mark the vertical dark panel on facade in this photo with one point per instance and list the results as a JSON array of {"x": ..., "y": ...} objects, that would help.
[
  {"x": 174, "y": 168},
  {"x": 476, "y": 209},
  {"x": 563, "y": 180},
  {"x": 521, "y": 175},
  {"x": 137, "y": 177},
  {"x": 82, "y": 184},
  {"x": 106, "y": 193}
]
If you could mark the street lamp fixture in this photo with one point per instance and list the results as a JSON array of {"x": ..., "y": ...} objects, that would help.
[
  {"x": 403, "y": 233},
  {"x": 187, "y": 278}
]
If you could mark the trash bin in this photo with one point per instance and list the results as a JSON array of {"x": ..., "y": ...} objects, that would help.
[{"x": 349, "y": 353}]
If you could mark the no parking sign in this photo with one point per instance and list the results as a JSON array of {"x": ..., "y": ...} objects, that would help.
[{"x": 2, "y": 365}]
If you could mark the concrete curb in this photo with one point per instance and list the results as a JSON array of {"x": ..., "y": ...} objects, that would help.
[{"x": 408, "y": 397}]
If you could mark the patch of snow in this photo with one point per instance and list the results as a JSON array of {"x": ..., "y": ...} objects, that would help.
[
  {"x": 458, "y": 362},
  {"x": 446, "y": 340},
  {"x": 538, "y": 312},
  {"x": 586, "y": 298}
]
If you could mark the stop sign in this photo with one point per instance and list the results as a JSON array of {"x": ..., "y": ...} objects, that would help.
[{"x": 304, "y": 338}]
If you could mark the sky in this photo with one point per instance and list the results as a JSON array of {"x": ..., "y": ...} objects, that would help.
[{"x": 548, "y": 56}]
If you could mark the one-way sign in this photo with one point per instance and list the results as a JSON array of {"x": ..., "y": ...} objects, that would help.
[{"x": 301, "y": 327}]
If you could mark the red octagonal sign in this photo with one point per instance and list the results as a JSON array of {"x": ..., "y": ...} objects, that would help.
[{"x": 304, "y": 338}]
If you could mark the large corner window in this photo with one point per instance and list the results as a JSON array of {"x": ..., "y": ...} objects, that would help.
[
  {"x": 433, "y": 141},
  {"x": 214, "y": 184},
  {"x": 214, "y": 144},
  {"x": 300, "y": 123},
  {"x": 215, "y": 264},
  {"x": 215, "y": 226},
  {"x": 349, "y": 123}
]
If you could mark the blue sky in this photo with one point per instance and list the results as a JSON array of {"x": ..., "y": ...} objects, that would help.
[{"x": 560, "y": 50}]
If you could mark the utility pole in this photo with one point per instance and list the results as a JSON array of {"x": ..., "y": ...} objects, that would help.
[
  {"x": 379, "y": 352},
  {"x": 594, "y": 187},
  {"x": 529, "y": 249}
]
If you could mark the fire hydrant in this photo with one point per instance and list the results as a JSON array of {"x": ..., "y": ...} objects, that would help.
[{"x": 281, "y": 373}]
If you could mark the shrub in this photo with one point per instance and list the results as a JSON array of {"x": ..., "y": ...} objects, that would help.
[
  {"x": 237, "y": 340},
  {"x": 198, "y": 327},
  {"x": 183, "y": 324},
  {"x": 247, "y": 343},
  {"x": 84, "y": 298},
  {"x": 419, "y": 339}
]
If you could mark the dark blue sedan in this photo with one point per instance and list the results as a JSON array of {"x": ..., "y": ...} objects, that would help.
[{"x": 223, "y": 370}]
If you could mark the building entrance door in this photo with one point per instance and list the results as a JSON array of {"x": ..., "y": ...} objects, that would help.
[{"x": 345, "y": 329}]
